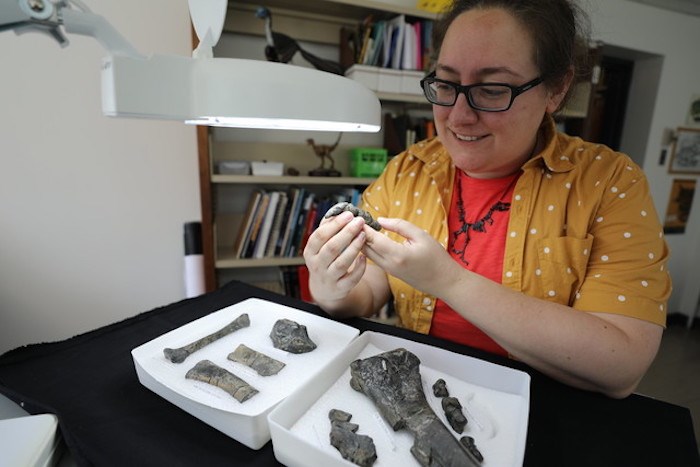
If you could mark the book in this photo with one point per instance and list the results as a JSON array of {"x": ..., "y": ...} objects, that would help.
[
  {"x": 298, "y": 228},
  {"x": 276, "y": 225},
  {"x": 255, "y": 228},
  {"x": 246, "y": 223},
  {"x": 297, "y": 195},
  {"x": 266, "y": 226}
]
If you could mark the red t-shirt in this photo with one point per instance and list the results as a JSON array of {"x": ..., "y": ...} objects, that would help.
[{"x": 483, "y": 253}]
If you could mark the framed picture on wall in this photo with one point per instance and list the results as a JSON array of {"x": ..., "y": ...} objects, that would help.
[
  {"x": 679, "y": 204},
  {"x": 685, "y": 157}
]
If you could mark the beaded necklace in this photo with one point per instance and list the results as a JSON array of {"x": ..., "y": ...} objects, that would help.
[{"x": 479, "y": 225}]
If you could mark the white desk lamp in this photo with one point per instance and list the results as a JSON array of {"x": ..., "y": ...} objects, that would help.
[{"x": 201, "y": 89}]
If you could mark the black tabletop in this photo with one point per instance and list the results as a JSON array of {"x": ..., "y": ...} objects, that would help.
[{"x": 108, "y": 418}]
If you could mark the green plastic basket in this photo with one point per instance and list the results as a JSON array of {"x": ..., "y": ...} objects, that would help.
[{"x": 367, "y": 162}]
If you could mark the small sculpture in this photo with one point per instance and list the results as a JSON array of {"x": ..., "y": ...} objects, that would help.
[
  {"x": 282, "y": 48},
  {"x": 179, "y": 355},
  {"x": 324, "y": 152}
]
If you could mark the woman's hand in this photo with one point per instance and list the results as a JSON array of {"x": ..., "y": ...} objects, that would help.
[
  {"x": 419, "y": 260},
  {"x": 333, "y": 257}
]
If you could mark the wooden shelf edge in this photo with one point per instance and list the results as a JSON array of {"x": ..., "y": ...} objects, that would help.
[
  {"x": 223, "y": 262},
  {"x": 289, "y": 180}
]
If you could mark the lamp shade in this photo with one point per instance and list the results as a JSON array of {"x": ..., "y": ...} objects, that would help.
[{"x": 236, "y": 93}]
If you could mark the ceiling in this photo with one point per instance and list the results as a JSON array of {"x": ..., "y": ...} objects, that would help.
[{"x": 691, "y": 7}]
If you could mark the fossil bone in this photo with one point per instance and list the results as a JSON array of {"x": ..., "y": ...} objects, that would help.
[
  {"x": 291, "y": 336},
  {"x": 357, "y": 212},
  {"x": 264, "y": 365},
  {"x": 180, "y": 354},
  {"x": 358, "y": 449},
  {"x": 453, "y": 412},
  {"x": 210, "y": 373},
  {"x": 392, "y": 381}
]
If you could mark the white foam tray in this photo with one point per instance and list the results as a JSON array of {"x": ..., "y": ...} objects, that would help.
[
  {"x": 245, "y": 422},
  {"x": 496, "y": 401}
]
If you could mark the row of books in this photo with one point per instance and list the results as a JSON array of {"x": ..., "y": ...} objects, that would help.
[
  {"x": 278, "y": 223},
  {"x": 396, "y": 43},
  {"x": 401, "y": 131}
]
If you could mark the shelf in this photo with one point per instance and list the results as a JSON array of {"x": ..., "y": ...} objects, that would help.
[
  {"x": 289, "y": 180},
  {"x": 408, "y": 98},
  {"x": 224, "y": 261},
  {"x": 356, "y": 9}
]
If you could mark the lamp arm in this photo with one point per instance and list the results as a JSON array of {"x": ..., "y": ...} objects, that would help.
[{"x": 51, "y": 18}]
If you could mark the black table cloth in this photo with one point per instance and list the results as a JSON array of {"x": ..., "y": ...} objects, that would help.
[{"x": 108, "y": 418}]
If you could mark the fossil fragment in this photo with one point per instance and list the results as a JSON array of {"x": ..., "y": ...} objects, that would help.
[
  {"x": 291, "y": 336},
  {"x": 264, "y": 365},
  {"x": 180, "y": 354},
  {"x": 440, "y": 388},
  {"x": 357, "y": 212},
  {"x": 392, "y": 381},
  {"x": 210, "y": 373},
  {"x": 358, "y": 449},
  {"x": 453, "y": 412},
  {"x": 468, "y": 442}
]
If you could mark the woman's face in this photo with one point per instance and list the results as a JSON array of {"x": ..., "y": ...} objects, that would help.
[{"x": 490, "y": 45}]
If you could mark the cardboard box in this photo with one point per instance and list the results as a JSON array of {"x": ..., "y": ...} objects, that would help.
[
  {"x": 267, "y": 168},
  {"x": 495, "y": 400}
]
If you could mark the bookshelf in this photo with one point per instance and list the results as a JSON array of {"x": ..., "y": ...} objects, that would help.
[{"x": 223, "y": 197}]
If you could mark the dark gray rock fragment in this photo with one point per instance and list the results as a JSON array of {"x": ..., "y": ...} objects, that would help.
[
  {"x": 337, "y": 415},
  {"x": 358, "y": 449},
  {"x": 336, "y": 209},
  {"x": 392, "y": 381},
  {"x": 440, "y": 388},
  {"x": 291, "y": 336},
  {"x": 210, "y": 373},
  {"x": 468, "y": 442},
  {"x": 180, "y": 354},
  {"x": 258, "y": 361},
  {"x": 454, "y": 414}
]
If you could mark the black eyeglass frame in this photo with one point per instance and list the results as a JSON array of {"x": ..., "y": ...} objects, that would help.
[{"x": 515, "y": 91}]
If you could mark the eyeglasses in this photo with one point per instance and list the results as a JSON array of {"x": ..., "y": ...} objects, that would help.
[{"x": 487, "y": 97}]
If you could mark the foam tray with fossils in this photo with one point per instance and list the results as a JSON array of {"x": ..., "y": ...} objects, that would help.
[
  {"x": 495, "y": 401},
  {"x": 244, "y": 421}
]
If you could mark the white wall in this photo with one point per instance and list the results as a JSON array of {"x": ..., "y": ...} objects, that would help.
[
  {"x": 674, "y": 37},
  {"x": 91, "y": 208}
]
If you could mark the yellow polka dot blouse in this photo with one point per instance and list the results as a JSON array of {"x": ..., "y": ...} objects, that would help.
[{"x": 582, "y": 231}]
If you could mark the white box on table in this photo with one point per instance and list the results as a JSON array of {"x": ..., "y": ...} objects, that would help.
[
  {"x": 245, "y": 422},
  {"x": 495, "y": 400}
]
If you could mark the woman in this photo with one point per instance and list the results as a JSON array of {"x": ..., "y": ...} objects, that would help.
[{"x": 502, "y": 233}]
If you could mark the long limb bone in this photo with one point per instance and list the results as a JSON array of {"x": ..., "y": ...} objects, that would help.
[{"x": 180, "y": 354}]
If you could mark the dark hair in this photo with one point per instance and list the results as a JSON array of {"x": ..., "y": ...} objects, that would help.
[{"x": 559, "y": 30}]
